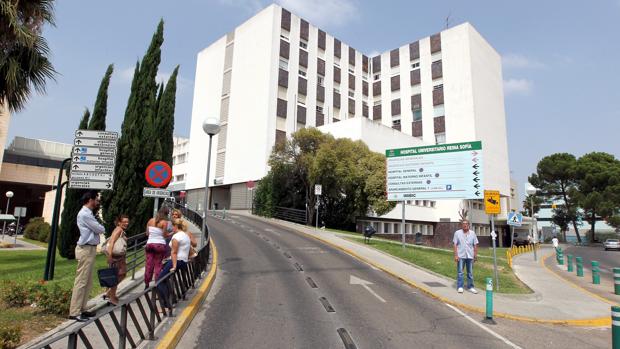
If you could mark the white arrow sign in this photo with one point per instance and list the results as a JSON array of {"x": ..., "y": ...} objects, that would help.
[
  {"x": 357, "y": 281},
  {"x": 94, "y": 159},
  {"x": 92, "y": 175},
  {"x": 77, "y": 184},
  {"x": 94, "y": 151},
  {"x": 89, "y": 167},
  {"x": 96, "y": 134},
  {"x": 87, "y": 142}
]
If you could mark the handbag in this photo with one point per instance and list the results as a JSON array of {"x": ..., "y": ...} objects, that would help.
[
  {"x": 119, "y": 248},
  {"x": 108, "y": 277}
]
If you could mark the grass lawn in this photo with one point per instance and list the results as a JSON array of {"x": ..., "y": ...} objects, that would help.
[
  {"x": 27, "y": 266},
  {"x": 442, "y": 262},
  {"x": 34, "y": 242}
]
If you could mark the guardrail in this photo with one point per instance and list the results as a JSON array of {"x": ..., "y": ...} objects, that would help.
[
  {"x": 291, "y": 215},
  {"x": 140, "y": 314}
]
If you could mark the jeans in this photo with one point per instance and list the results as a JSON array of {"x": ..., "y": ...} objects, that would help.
[
  {"x": 154, "y": 255},
  {"x": 162, "y": 288},
  {"x": 469, "y": 264}
]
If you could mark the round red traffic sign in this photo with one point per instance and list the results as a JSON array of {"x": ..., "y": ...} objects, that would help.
[{"x": 158, "y": 174}]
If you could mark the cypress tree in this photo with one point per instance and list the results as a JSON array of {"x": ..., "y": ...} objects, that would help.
[
  {"x": 68, "y": 225},
  {"x": 135, "y": 146},
  {"x": 165, "y": 117},
  {"x": 97, "y": 121}
]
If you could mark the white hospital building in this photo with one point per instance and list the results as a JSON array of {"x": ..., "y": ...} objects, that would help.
[{"x": 277, "y": 73}]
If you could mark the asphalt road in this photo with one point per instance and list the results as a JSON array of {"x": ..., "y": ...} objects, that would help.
[
  {"x": 274, "y": 289},
  {"x": 607, "y": 259}
]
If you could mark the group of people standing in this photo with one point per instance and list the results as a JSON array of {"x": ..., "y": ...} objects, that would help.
[{"x": 168, "y": 240}]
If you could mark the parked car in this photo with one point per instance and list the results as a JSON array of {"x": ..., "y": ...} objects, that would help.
[
  {"x": 522, "y": 238},
  {"x": 612, "y": 244}
]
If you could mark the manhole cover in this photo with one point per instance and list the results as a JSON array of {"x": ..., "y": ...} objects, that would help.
[{"x": 435, "y": 284}]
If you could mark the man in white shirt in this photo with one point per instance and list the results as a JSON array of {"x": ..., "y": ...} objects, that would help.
[
  {"x": 465, "y": 253},
  {"x": 85, "y": 253},
  {"x": 555, "y": 242}
]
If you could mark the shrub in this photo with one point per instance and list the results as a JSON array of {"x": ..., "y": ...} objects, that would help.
[
  {"x": 55, "y": 300},
  {"x": 15, "y": 295},
  {"x": 37, "y": 229},
  {"x": 10, "y": 336}
]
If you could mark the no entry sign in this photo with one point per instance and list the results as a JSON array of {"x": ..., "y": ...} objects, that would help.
[{"x": 158, "y": 174}]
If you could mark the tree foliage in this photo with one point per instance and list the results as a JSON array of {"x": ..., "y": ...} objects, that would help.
[
  {"x": 352, "y": 179},
  {"x": 24, "y": 62},
  {"x": 527, "y": 204}
]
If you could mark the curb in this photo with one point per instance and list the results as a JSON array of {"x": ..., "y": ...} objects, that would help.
[
  {"x": 173, "y": 336},
  {"x": 579, "y": 287},
  {"x": 594, "y": 322}
]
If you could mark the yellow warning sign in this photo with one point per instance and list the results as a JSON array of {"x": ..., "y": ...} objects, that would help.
[{"x": 491, "y": 202}]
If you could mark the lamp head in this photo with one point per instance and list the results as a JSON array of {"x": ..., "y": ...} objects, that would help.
[
  {"x": 530, "y": 189},
  {"x": 211, "y": 126},
  {"x": 9, "y": 194}
]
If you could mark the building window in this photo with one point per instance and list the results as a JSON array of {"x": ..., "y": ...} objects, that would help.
[
  {"x": 386, "y": 228},
  {"x": 284, "y": 35},
  {"x": 415, "y": 65},
  {"x": 417, "y": 115},
  {"x": 438, "y": 87},
  {"x": 396, "y": 123},
  {"x": 433, "y": 203},
  {"x": 284, "y": 63},
  {"x": 440, "y": 138},
  {"x": 337, "y": 63},
  {"x": 377, "y": 102},
  {"x": 302, "y": 71},
  {"x": 303, "y": 44},
  {"x": 417, "y": 202},
  {"x": 376, "y": 76},
  {"x": 351, "y": 93},
  {"x": 301, "y": 100},
  {"x": 320, "y": 80},
  {"x": 319, "y": 109},
  {"x": 351, "y": 70},
  {"x": 439, "y": 110},
  {"x": 179, "y": 178},
  {"x": 181, "y": 158}
]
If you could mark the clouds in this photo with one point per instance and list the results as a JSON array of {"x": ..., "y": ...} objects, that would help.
[
  {"x": 323, "y": 13},
  {"x": 518, "y": 86},
  {"x": 518, "y": 61}
]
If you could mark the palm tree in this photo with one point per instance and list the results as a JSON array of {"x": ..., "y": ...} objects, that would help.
[{"x": 24, "y": 63}]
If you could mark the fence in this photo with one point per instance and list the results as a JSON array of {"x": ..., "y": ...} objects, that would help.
[
  {"x": 136, "y": 319},
  {"x": 517, "y": 250},
  {"x": 291, "y": 215}
]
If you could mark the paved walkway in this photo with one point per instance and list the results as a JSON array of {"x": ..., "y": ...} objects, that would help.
[
  {"x": 552, "y": 300},
  {"x": 20, "y": 245}
]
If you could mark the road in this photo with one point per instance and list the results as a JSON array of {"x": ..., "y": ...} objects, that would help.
[
  {"x": 278, "y": 288},
  {"x": 607, "y": 259}
]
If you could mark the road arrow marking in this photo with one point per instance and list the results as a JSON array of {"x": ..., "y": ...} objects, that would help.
[{"x": 357, "y": 281}]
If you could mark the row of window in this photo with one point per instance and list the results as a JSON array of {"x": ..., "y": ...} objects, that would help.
[
  {"x": 179, "y": 159},
  {"x": 410, "y": 228}
]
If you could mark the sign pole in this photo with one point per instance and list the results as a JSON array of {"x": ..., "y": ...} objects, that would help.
[
  {"x": 493, "y": 238},
  {"x": 402, "y": 225},
  {"x": 17, "y": 228},
  {"x": 155, "y": 207}
]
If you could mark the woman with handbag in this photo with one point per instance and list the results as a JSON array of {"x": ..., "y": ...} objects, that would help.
[{"x": 116, "y": 250}]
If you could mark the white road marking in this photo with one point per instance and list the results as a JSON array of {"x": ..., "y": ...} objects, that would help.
[
  {"x": 488, "y": 330},
  {"x": 357, "y": 281}
]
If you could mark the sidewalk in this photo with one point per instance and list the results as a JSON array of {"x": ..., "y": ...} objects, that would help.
[
  {"x": 20, "y": 245},
  {"x": 551, "y": 302}
]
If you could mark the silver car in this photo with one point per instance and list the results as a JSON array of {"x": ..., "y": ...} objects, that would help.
[{"x": 612, "y": 244}]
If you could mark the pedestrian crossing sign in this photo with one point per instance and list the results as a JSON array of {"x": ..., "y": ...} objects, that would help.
[{"x": 515, "y": 219}]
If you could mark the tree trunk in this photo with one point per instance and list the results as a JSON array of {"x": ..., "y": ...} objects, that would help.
[{"x": 592, "y": 223}]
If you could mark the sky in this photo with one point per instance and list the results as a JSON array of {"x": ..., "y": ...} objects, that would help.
[{"x": 561, "y": 60}]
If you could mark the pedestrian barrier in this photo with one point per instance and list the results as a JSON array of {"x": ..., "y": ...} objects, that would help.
[
  {"x": 489, "y": 308},
  {"x": 140, "y": 314},
  {"x": 517, "y": 250},
  {"x": 560, "y": 256},
  {"x": 569, "y": 263},
  {"x": 579, "y": 262},
  {"x": 617, "y": 281},
  {"x": 615, "y": 327},
  {"x": 596, "y": 276}
]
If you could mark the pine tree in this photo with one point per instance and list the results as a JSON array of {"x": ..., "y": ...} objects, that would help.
[
  {"x": 68, "y": 226},
  {"x": 135, "y": 146}
]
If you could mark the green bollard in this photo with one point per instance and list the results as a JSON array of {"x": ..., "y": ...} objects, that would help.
[
  {"x": 569, "y": 262},
  {"x": 579, "y": 261},
  {"x": 615, "y": 327},
  {"x": 617, "y": 281},
  {"x": 561, "y": 257},
  {"x": 596, "y": 276},
  {"x": 489, "y": 312}
]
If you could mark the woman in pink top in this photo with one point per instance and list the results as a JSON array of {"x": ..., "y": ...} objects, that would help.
[{"x": 157, "y": 231}]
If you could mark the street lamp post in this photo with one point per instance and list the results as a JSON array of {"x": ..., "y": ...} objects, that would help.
[
  {"x": 9, "y": 195},
  {"x": 211, "y": 126},
  {"x": 531, "y": 191}
]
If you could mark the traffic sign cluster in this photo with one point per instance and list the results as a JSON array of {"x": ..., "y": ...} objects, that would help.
[{"x": 93, "y": 159}]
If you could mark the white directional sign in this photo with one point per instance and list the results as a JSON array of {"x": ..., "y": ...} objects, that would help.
[
  {"x": 94, "y": 151},
  {"x": 318, "y": 189},
  {"x": 93, "y": 160},
  {"x": 156, "y": 193},
  {"x": 443, "y": 171}
]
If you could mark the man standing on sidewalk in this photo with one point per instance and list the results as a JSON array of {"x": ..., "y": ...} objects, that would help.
[
  {"x": 85, "y": 253},
  {"x": 465, "y": 253}
]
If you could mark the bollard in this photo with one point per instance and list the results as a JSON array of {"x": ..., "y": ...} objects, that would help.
[
  {"x": 561, "y": 257},
  {"x": 569, "y": 262},
  {"x": 579, "y": 262},
  {"x": 617, "y": 281},
  {"x": 596, "y": 276},
  {"x": 489, "y": 310},
  {"x": 615, "y": 327}
]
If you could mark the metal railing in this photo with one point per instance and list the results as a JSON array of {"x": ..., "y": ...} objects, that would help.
[
  {"x": 135, "y": 256},
  {"x": 291, "y": 215},
  {"x": 140, "y": 314}
]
